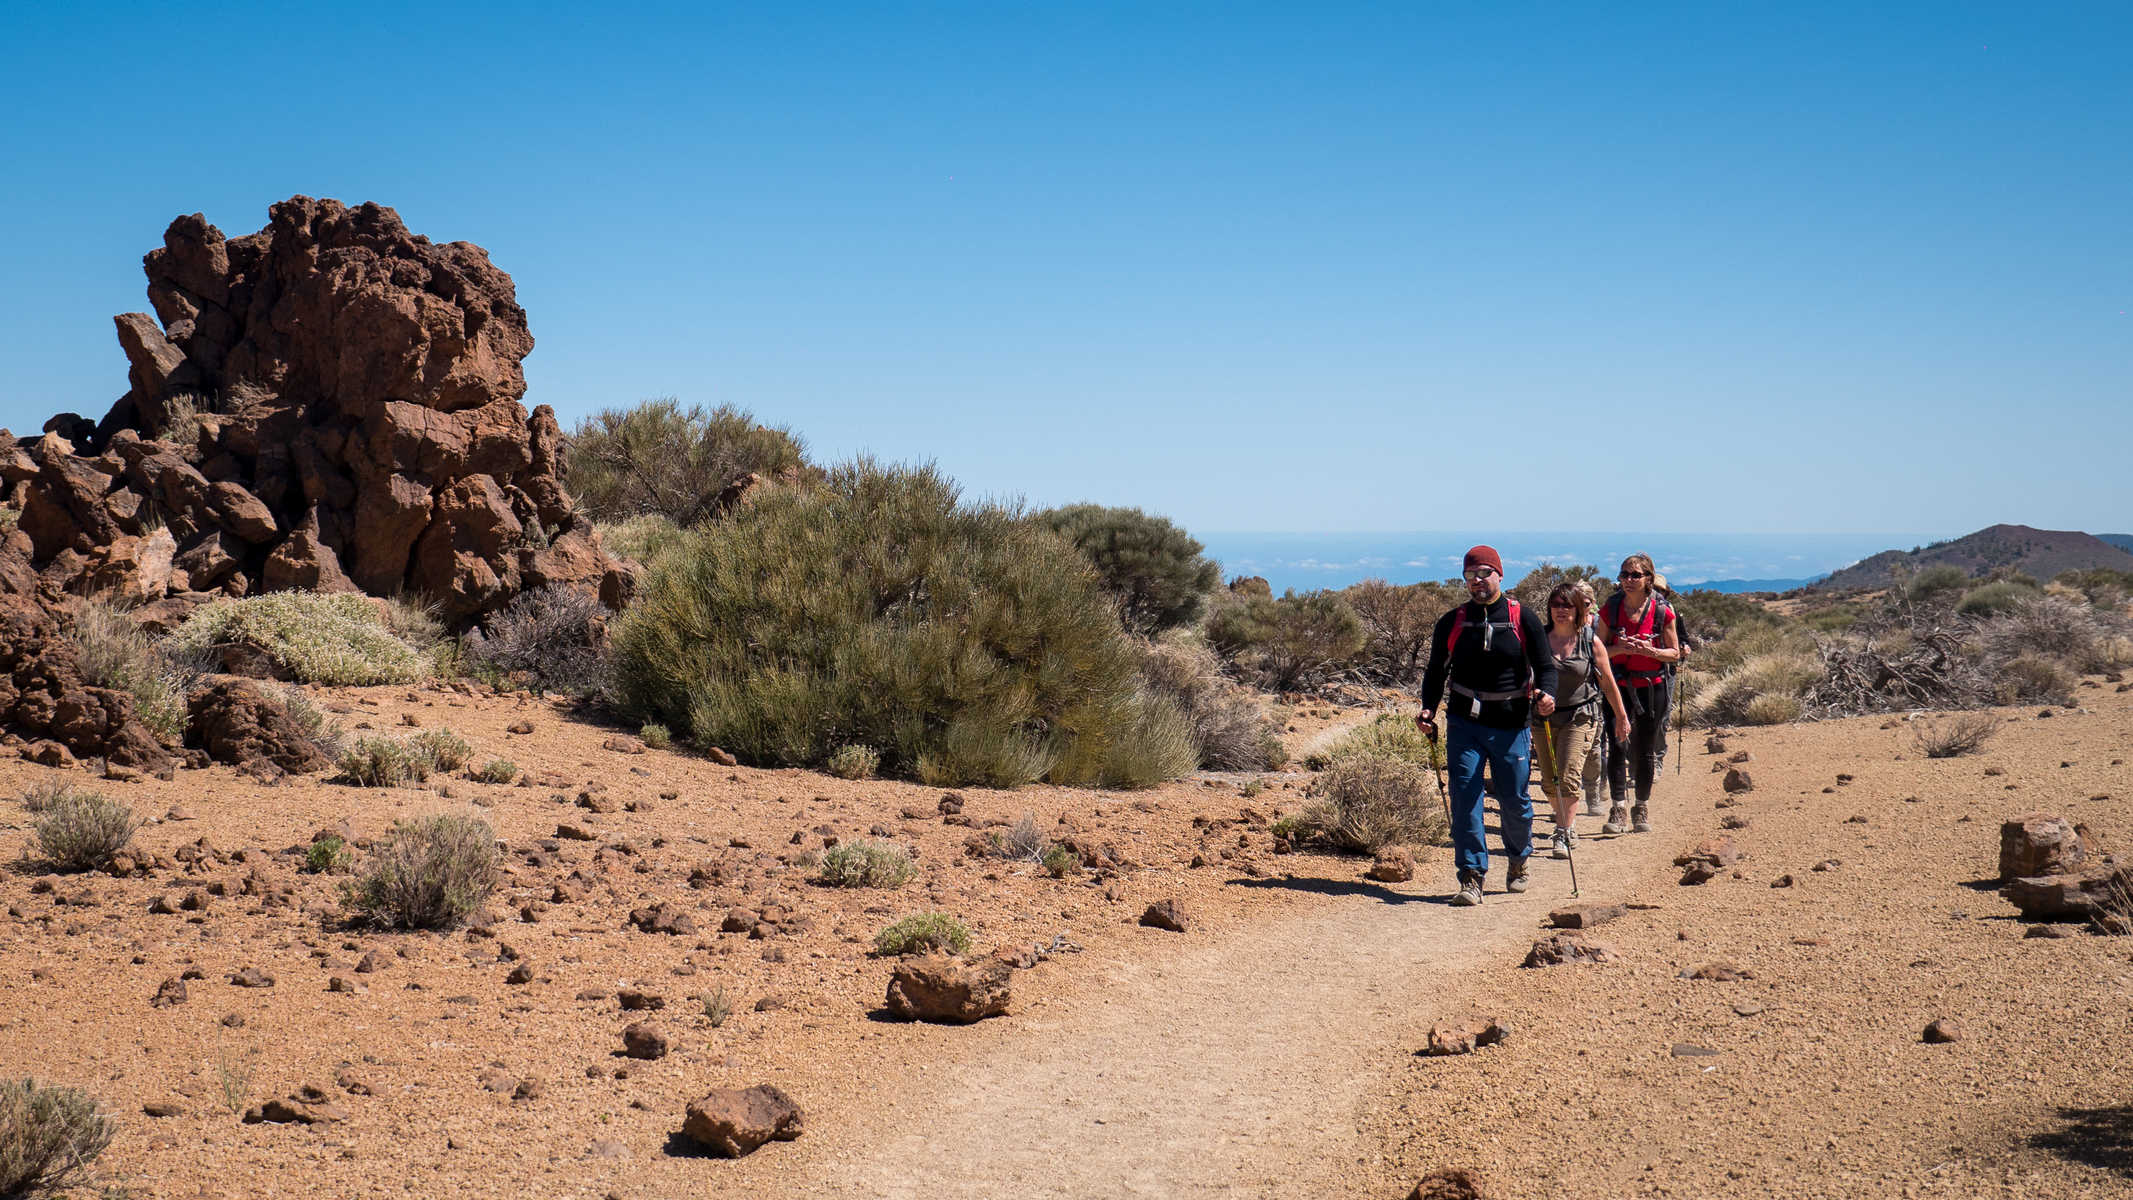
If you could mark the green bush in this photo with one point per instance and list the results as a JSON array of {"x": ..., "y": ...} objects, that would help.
[
  {"x": 1532, "y": 591},
  {"x": 854, "y": 762},
  {"x": 923, "y": 933},
  {"x": 1994, "y": 599},
  {"x": 334, "y": 639},
  {"x": 1365, "y": 803},
  {"x": 83, "y": 830},
  {"x": 1156, "y": 570},
  {"x": 114, "y": 653},
  {"x": 47, "y": 1135},
  {"x": 1937, "y": 586},
  {"x": 1399, "y": 622},
  {"x": 445, "y": 750},
  {"x": 497, "y": 770},
  {"x": 659, "y": 458},
  {"x": 431, "y": 874},
  {"x": 1231, "y": 727},
  {"x": 865, "y": 864},
  {"x": 384, "y": 762},
  {"x": 2032, "y": 678},
  {"x": 2102, "y": 587},
  {"x": 656, "y": 736},
  {"x": 1390, "y": 735},
  {"x": 643, "y": 538},
  {"x": 1757, "y": 691},
  {"x": 327, "y": 855},
  {"x": 1060, "y": 862},
  {"x": 1288, "y": 642},
  {"x": 968, "y": 645},
  {"x": 1771, "y": 708}
]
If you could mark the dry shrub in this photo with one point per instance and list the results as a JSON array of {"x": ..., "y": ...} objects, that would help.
[
  {"x": 554, "y": 636},
  {"x": 1398, "y": 622},
  {"x": 47, "y": 1135},
  {"x": 643, "y": 538},
  {"x": 497, "y": 770},
  {"x": 309, "y": 637},
  {"x": 854, "y": 762},
  {"x": 1390, "y": 735},
  {"x": 1785, "y": 675},
  {"x": 445, "y": 750},
  {"x": 865, "y": 864},
  {"x": 923, "y": 933},
  {"x": 1230, "y": 723},
  {"x": 83, "y": 830},
  {"x": 1366, "y": 803},
  {"x": 2033, "y": 678},
  {"x": 1289, "y": 643},
  {"x": 431, "y": 874},
  {"x": 311, "y": 720},
  {"x": 181, "y": 422},
  {"x": 2066, "y": 631},
  {"x": 1964, "y": 733},
  {"x": 660, "y": 458},
  {"x": 115, "y": 654},
  {"x": 384, "y": 762}
]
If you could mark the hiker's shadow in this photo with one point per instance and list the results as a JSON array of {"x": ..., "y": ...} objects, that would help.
[
  {"x": 2096, "y": 1137},
  {"x": 1340, "y": 887}
]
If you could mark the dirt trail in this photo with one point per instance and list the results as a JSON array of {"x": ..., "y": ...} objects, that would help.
[{"x": 1237, "y": 1067}]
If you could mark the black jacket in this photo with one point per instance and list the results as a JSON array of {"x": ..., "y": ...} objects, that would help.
[{"x": 1501, "y": 667}]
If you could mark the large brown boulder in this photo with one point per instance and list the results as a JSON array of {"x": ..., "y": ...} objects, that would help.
[
  {"x": 44, "y": 697},
  {"x": 356, "y": 391},
  {"x": 735, "y": 1121},
  {"x": 2040, "y": 844},
  {"x": 236, "y": 722},
  {"x": 2088, "y": 895},
  {"x": 951, "y": 990}
]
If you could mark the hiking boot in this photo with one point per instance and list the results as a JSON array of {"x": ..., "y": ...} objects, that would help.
[
  {"x": 1617, "y": 820},
  {"x": 1640, "y": 819},
  {"x": 1469, "y": 891},
  {"x": 1514, "y": 879},
  {"x": 1593, "y": 809},
  {"x": 1562, "y": 843}
]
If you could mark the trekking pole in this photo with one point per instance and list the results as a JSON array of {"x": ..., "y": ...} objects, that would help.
[{"x": 1437, "y": 769}]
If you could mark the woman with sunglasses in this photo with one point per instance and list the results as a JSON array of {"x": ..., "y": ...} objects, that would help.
[
  {"x": 1637, "y": 628},
  {"x": 1563, "y": 741}
]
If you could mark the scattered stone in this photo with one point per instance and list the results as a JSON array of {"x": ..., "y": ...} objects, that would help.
[
  {"x": 1747, "y": 1008},
  {"x": 1829, "y": 864},
  {"x": 169, "y": 995},
  {"x": 1714, "y": 745},
  {"x": 1561, "y": 949},
  {"x": 2072, "y": 897},
  {"x": 2041, "y": 844},
  {"x": 623, "y": 745},
  {"x": 664, "y": 918},
  {"x": 721, "y": 757},
  {"x": 607, "y": 1148},
  {"x": 163, "y": 1108},
  {"x": 574, "y": 833},
  {"x": 372, "y": 962},
  {"x": 341, "y": 983},
  {"x": 2052, "y": 931},
  {"x": 736, "y": 1121},
  {"x": 236, "y": 722},
  {"x": 1164, "y": 914},
  {"x": 951, "y": 804},
  {"x": 252, "y": 977},
  {"x": 1782, "y": 881},
  {"x": 1585, "y": 916},
  {"x": 1465, "y": 1038},
  {"x": 646, "y": 1039},
  {"x": 1396, "y": 865},
  {"x": 1737, "y": 781},
  {"x": 1943, "y": 1031},
  {"x": 1719, "y": 972},
  {"x": 1740, "y": 756},
  {"x": 520, "y": 974},
  {"x": 1450, "y": 1183},
  {"x": 1733, "y": 821},
  {"x": 634, "y": 1000},
  {"x": 940, "y": 988}
]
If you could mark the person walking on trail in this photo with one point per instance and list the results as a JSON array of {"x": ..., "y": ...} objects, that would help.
[
  {"x": 1592, "y": 768},
  {"x": 1564, "y": 740},
  {"x": 1637, "y": 627},
  {"x": 1493, "y": 658}
]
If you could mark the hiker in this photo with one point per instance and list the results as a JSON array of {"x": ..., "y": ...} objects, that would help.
[
  {"x": 1637, "y": 627},
  {"x": 1566, "y": 741},
  {"x": 1494, "y": 657},
  {"x": 1593, "y": 769}
]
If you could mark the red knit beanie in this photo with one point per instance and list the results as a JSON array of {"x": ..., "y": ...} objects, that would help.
[{"x": 1483, "y": 556}]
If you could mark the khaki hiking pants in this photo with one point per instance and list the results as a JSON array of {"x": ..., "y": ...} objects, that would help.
[{"x": 1568, "y": 768}]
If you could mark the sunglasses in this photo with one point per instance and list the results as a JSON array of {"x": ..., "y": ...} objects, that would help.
[
  {"x": 1562, "y": 608},
  {"x": 1479, "y": 573},
  {"x": 1634, "y": 575}
]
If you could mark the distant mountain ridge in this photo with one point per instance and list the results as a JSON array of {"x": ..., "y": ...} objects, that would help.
[
  {"x": 2042, "y": 553},
  {"x": 2124, "y": 541}
]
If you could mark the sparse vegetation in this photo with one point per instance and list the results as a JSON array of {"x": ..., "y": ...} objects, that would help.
[
  {"x": 114, "y": 653},
  {"x": 923, "y": 933},
  {"x": 1995, "y": 598},
  {"x": 41, "y": 796},
  {"x": 966, "y": 644},
  {"x": 80, "y": 830},
  {"x": 718, "y": 1007},
  {"x": 865, "y": 864},
  {"x": 643, "y": 538},
  {"x": 656, "y": 736},
  {"x": 327, "y": 856},
  {"x": 48, "y": 1135},
  {"x": 181, "y": 422},
  {"x": 1398, "y": 622},
  {"x": 554, "y": 636},
  {"x": 432, "y": 872},
  {"x": 659, "y": 458},
  {"x": 1764, "y": 689},
  {"x": 1286, "y": 643},
  {"x": 1390, "y": 735},
  {"x": 854, "y": 762},
  {"x": 233, "y": 1077},
  {"x": 1365, "y": 803},
  {"x": 1156, "y": 571},
  {"x": 497, "y": 770},
  {"x": 311, "y": 720},
  {"x": 1963, "y": 733},
  {"x": 308, "y": 636},
  {"x": 1060, "y": 862},
  {"x": 445, "y": 750}
]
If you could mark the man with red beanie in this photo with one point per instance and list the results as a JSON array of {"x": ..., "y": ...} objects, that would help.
[{"x": 1494, "y": 657}]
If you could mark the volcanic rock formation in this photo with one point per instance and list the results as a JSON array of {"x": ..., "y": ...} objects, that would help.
[{"x": 332, "y": 403}]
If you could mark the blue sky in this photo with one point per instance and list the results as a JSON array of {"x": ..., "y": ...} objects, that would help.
[{"x": 1258, "y": 267}]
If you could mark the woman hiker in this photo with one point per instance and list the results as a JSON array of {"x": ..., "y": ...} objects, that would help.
[
  {"x": 1494, "y": 658},
  {"x": 1637, "y": 628},
  {"x": 1565, "y": 739},
  {"x": 1592, "y": 771}
]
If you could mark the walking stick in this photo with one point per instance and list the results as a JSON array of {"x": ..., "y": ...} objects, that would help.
[{"x": 1437, "y": 768}]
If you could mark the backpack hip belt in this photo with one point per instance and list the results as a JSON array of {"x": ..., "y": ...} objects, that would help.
[{"x": 1471, "y": 694}]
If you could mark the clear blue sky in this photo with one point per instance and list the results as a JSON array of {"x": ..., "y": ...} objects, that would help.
[{"x": 1258, "y": 267}]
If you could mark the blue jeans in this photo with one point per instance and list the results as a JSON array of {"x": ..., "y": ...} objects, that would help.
[{"x": 1467, "y": 747}]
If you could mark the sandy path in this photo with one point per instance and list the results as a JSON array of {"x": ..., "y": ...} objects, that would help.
[{"x": 1236, "y": 1067}]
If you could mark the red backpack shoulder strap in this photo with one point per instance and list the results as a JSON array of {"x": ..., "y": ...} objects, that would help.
[
  {"x": 1451, "y": 643},
  {"x": 1518, "y": 629}
]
